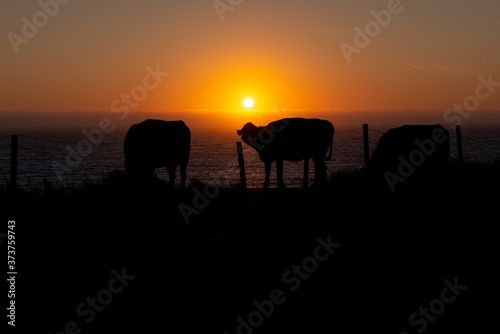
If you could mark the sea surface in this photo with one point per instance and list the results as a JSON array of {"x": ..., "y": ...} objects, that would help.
[{"x": 44, "y": 154}]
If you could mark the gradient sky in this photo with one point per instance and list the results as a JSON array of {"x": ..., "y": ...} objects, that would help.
[{"x": 283, "y": 54}]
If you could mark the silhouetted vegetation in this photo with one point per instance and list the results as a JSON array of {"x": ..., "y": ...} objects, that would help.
[{"x": 396, "y": 250}]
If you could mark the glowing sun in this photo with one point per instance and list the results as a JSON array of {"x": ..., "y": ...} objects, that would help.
[{"x": 248, "y": 103}]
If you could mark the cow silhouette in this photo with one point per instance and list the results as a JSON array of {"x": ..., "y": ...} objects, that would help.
[
  {"x": 291, "y": 139},
  {"x": 154, "y": 144},
  {"x": 411, "y": 155}
]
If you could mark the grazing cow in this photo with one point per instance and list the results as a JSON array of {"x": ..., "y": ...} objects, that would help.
[
  {"x": 154, "y": 144},
  {"x": 417, "y": 152},
  {"x": 292, "y": 139}
]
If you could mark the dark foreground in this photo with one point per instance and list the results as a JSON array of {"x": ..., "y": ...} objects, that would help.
[{"x": 104, "y": 259}]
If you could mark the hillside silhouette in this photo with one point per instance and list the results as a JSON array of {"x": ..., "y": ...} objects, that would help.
[{"x": 396, "y": 249}]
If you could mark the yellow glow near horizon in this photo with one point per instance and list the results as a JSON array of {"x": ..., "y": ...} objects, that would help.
[{"x": 248, "y": 103}]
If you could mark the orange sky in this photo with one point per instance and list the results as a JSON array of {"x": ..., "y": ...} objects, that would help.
[{"x": 282, "y": 54}]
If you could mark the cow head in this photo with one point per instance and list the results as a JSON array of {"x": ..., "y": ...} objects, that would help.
[{"x": 248, "y": 133}]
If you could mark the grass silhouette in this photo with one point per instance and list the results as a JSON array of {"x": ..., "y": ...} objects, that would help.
[{"x": 397, "y": 248}]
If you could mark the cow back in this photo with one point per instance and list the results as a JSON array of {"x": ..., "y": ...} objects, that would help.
[
  {"x": 294, "y": 139},
  {"x": 158, "y": 141},
  {"x": 411, "y": 152}
]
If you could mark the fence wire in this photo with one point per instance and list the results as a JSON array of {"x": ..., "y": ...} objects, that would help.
[{"x": 67, "y": 158}]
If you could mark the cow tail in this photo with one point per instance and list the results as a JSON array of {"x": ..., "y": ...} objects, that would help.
[{"x": 329, "y": 156}]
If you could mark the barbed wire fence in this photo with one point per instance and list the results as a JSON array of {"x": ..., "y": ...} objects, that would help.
[
  {"x": 44, "y": 159},
  {"x": 49, "y": 158}
]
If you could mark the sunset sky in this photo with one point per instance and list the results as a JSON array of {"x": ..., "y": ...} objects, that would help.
[{"x": 209, "y": 56}]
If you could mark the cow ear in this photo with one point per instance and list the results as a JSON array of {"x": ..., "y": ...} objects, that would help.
[{"x": 239, "y": 132}]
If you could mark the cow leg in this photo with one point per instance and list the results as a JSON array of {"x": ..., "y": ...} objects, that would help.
[
  {"x": 183, "y": 173},
  {"x": 319, "y": 172},
  {"x": 171, "y": 173},
  {"x": 148, "y": 172},
  {"x": 144, "y": 175},
  {"x": 268, "y": 172},
  {"x": 279, "y": 174}
]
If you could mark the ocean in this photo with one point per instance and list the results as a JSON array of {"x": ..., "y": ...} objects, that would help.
[{"x": 43, "y": 154}]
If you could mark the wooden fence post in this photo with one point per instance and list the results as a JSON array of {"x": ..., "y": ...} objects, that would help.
[
  {"x": 13, "y": 163},
  {"x": 366, "y": 145},
  {"x": 241, "y": 163},
  {"x": 459, "y": 145},
  {"x": 306, "y": 173}
]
